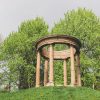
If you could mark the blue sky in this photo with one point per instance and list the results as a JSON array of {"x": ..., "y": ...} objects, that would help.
[{"x": 13, "y": 12}]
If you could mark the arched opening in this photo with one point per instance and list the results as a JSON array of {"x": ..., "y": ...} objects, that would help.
[{"x": 59, "y": 51}]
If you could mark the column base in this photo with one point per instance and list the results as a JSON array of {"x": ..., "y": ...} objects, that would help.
[
  {"x": 50, "y": 84},
  {"x": 65, "y": 85},
  {"x": 37, "y": 86},
  {"x": 70, "y": 86},
  {"x": 79, "y": 85}
]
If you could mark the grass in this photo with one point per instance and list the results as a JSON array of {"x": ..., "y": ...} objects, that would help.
[{"x": 53, "y": 93}]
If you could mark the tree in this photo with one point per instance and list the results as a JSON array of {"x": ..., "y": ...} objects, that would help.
[
  {"x": 19, "y": 52},
  {"x": 83, "y": 24}
]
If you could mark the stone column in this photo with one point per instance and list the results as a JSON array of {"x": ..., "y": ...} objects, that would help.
[
  {"x": 78, "y": 70},
  {"x": 72, "y": 65},
  {"x": 65, "y": 73},
  {"x": 45, "y": 72},
  {"x": 51, "y": 72},
  {"x": 38, "y": 70}
]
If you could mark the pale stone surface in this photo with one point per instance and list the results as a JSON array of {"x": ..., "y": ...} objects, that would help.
[
  {"x": 51, "y": 73},
  {"x": 72, "y": 66},
  {"x": 38, "y": 70},
  {"x": 65, "y": 73},
  {"x": 50, "y": 84},
  {"x": 45, "y": 72}
]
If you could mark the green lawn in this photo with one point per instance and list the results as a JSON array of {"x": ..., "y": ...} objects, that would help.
[{"x": 53, "y": 93}]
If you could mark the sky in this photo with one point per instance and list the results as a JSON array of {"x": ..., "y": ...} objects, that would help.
[{"x": 13, "y": 12}]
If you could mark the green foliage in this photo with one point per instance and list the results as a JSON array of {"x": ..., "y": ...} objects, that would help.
[
  {"x": 53, "y": 93},
  {"x": 18, "y": 50},
  {"x": 83, "y": 24},
  {"x": 33, "y": 28},
  {"x": 19, "y": 54},
  {"x": 58, "y": 72}
]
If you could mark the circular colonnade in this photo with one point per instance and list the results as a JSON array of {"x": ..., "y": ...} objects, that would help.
[{"x": 49, "y": 54}]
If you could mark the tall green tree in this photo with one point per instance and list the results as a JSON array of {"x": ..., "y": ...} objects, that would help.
[
  {"x": 18, "y": 51},
  {"x": 84, "y": 25}
]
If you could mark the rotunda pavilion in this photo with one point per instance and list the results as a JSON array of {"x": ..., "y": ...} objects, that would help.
[{"x": 49, "y": 55}]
